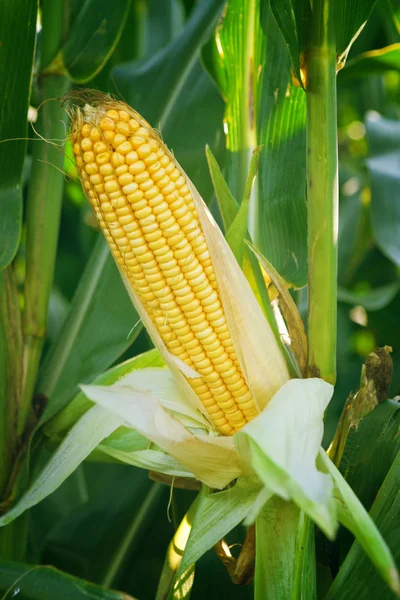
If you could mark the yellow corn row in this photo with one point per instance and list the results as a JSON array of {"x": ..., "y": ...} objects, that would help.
[{"x": 146, "y": 211}]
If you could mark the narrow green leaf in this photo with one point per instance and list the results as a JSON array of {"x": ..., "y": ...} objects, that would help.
[
  {"x": 354, "y": 517},
  {"x": 47, "y": 583},
  {"x": 384, "y": 152},
  {"x": 365, "y": 465},
  {"x": 237, "y": 232},
  {"x": 10, "y": 370},
  {"x": 373, "y": 62},
  {"x": 143, "y": 83},
  {"x": 217, "y": 515},
  {"x": 351, "y": 580},
  {"x": 92, "y": 38},
  {"x": 88, "y": 432},
  {"x": 18, "y": 36},
  {"x": 228, "y": 205},
  {"x": 94, "y": 334},
  {"x": 249, "y": 61},
  {"x": 375, "y": 299},
  {"x": 281, "y": 217}
]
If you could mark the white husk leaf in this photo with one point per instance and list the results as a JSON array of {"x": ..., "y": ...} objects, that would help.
[
  {"x": 212, "y": 459},
  {"x": 282, "y": 445}
]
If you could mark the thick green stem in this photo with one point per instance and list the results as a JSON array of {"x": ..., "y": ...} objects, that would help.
[
  {"x": 44, "y": 206},
  {"x": 322, "y": 193}
]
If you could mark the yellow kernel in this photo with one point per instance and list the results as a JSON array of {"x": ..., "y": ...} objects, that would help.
[
  {"x": 117, "y": 159},
  {"x": 91, "y": 168},
  {"x": 124, "y": 116},
  {"x": 125, "y": 178},
  {"x": 135, "y": 197},
  {"x": 86, "y": 129},
  {"x": 123, "y": 128},
  {"x": 131, "y": 157},
  {"x": 121, "y": 170},
  {"x": 125, "y": 147},
  {"x": 134, "y": 124},
  {"x": 137, "y": 167},
  {"x": 88, "y": 157},
  {"x": 113, "y": 114},
  {"x": 109, "y": 136},
  {"x": 100, "y": 147},
  {"x": 103, "y": 158},
  {"x": 107, "y": 124},
  {"x": 95, "y": 134},
  {"x": 86, "y": 144},
  {"x": 137, "y": 140},
  {"x": 144, "y": 150},
  {"x": 130, "y": 188},
  {"x": 111, "y": 186}
]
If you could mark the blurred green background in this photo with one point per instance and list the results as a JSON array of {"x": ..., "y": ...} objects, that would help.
[{"x": 109, "y": 523}]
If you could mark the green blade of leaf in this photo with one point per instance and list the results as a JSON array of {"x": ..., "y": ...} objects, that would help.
[
  {"x": 95, "y": 333},
  {"x": 351, "y": 580},
  {"x": 373, "y": 62},
  {"x": 10, "y": 370},
  {"x": 237, "y": 232},
  {"x": 218, "y": 514},
  {"x": 384, "y": 144},
  {"x": 92, "y": 38},
  {"x": 162, "y": 75},
  {"x": 48, "y": 583},
  {"x": 88, "y": 432},
  {"x": 375, "y": 299},
  {"x": 18, "y": 36},
  {"x": 354, "y": 517}
]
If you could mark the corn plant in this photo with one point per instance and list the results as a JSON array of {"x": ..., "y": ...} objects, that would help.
[{"x": 195, "y": 350}]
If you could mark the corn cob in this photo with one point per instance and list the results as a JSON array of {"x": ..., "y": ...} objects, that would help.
[{"x": 144, "y": 205}]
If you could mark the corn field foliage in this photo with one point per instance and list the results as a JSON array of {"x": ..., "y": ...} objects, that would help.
[{"x": 218, "y": 80}]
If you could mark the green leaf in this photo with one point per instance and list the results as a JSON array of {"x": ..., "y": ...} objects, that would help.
[
  {"x": 281, "y": 217},
  {"x": 18, "y": 36},
  {"x": 94, "y": 334},
  {"x": 66, "y": 418},
  {"x": 370, "y": 63},
  {"x": 351, "y": 580},
  {"x": 285, "y": 555},
  {"x": 355, "y": 518},
  {"x": 48, "y": 583},
  {"x": 383, "y": 163},
  {"x": 86, "y": 434},
  {"x": 151, "y": 85},
  {"x": 249, "y": 61},
  {"x": 294, "y": 18},
  {"x": 92, "y": 38},
  {"x": 198, "y": 109},
  {"x": 228, "y": 205},
  {"x": 365, "y": 465},
  {"x": 217, "y": 515},
  {"x": 10, "y": 370},
  {"x": 237, "y": 232},
  {"x": 375, "y": 299}
]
